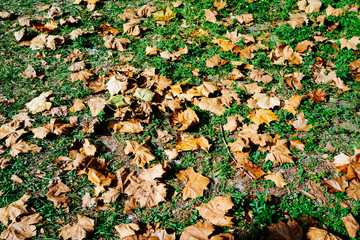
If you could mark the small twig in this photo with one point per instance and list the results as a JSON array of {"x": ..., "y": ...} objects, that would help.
[{"x": 230, "y": 154}]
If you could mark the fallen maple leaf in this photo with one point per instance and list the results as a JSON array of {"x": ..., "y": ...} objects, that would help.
[
  {"x": 189, "y": 143},
  {"x": 131, "y": 126},
  {"x": 78, "y": 105},
  {"x": 304, "y": 46},
  {"x": 317, "y": 233},
  {"x": 13, "y": 210},
  {"x": 297, "y": 145},
  {"x": 96, "y": 105},
  {"x": 353, "y": 191},
  {"x": 80, "y": 230},
  {"x": 195, "y": 183},
  {"x": 293, "y": 103},
  {"x": 219, "y": 5},
  {"x": 285, "y": 231},
  {"x": 263, "y": 116},
  {"x": 279, "y": 153},
  {"x": 300, "y": 123},
  {"x": 350, "y": 44},
  {"x": 266, "y": 102},
  {"x": 29, "y": 72},
  {"x": 224, "y": 44},
  {"x": 39, "y": 104},
  {"x": 260, "y": 75},
  {"x": 22, "y": 229},
  {"x": 213, "y": 105},
  {"x": 126, "y": 230},
  {"x": 277, "y": 178},
  {"x": 215, "y": 61},
  {"x": 310, "y": 6},
  {"x": 210, "y": 16},
  {"x": 186, "y": 118},
  {"x": 23, "y": 147},
  {"x": 55, "y": 193},
  {"x": 146, "y": 11},
  {"x": 283, "y": 53},
  {"x": 142, "y": 152},
  {"x": 337, "y": 184},
  {"x": 214, "y": 211},
  {"x": 145, "y": 189},
  {"x": 297, "y": 19},
  {"x": 351, "y": 225},
  {"x": 199, "y": 231},
  {"x": 317, "y": 95}
]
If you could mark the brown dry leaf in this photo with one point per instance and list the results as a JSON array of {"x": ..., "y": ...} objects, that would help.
[
  {"x": 114, "y": 86},
  {"x": 215, "y": 61},
  {"x": 39, "y": 104},
  {"x": 110, "y": 195},
  {"x": 266, "y": 102},
  {"x": 187, "y": 142},
  {"x": 128, "y": 14},
  {"x": 177, "y": 4},
  {"x": 80, "y": 230},
  {"x": 277, "y": 178},
  {"x": 285, "y": 231},
  {"x": 96, "y": 105},
  {"x": 353, "y": 191},
  {"x": 131, "y": 126},
  {"x": 77, "y": 66},
  {"x": 214, "y": 211},
  {"x": 219, "y": 5},
  {"x": 40, "y": 132},
  {"x": 151, "y": 51},
  {"x": 224, "y": 44},
  {"x": 146, "y": 11},
  {"x": 23, "y": 228},
  {"x": 119, "y": 44},
  {"x": 186, "y": 118},
  {"x": 82, "y": 76},
  {"x": 304, "y": 46},
  {"x": 145, "y": 189},
  {"x": 310, "y": 6},
  {"x": 23, "y": 147},
  {"x": 233, "y": 122},
  {"x": 279, "y": 153},
  {"x": 294, "y": 81},
  {"x": 317, "y": 95},
  {"x": 283, "y": 53},
  {"x": 78, "y": 105},
  {"x": 125, "y": 230},
  {"x": 292, "y": 103},
  {"x": 245, "y": 19},
  {"x": 14, "y": 137},
  {"x": 88, "y": 148},
  {"x": 16, "y": 179},
  {"x": 351, "y": 225},
  {"x": 4, "y": 14},
  {"x": 337, "y": 184},
  {"x": 29, "y": 72},
  {"x": 297, "y": 145},
  {"x": 55, "y": 193},
  {"x": 300, "y": 123},
  {"x": 263, "y": 116},
  {"x": 142, "y": 152},
  {"x": 195, "y": 183},
  {"x": 260, "y": 75},
  {"x": 213, "y": 105},
  {"x": 350, "y": 44},
  {"x": 210, "y": 16},
  {"x": 199, "y": 231},
  {"x": 330, "y": 11},
  {"x": 15, "y": 209},
  {"x": 98, "y": 173},
  {"x": 317, "y": 233},
  {"x": 297, "y": 19},
  {"x": 4, "y": 162},
  {"x": 206, "y": 88}
]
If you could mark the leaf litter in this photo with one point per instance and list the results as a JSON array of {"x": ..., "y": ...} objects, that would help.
[{"x": 138, "y": 94}]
